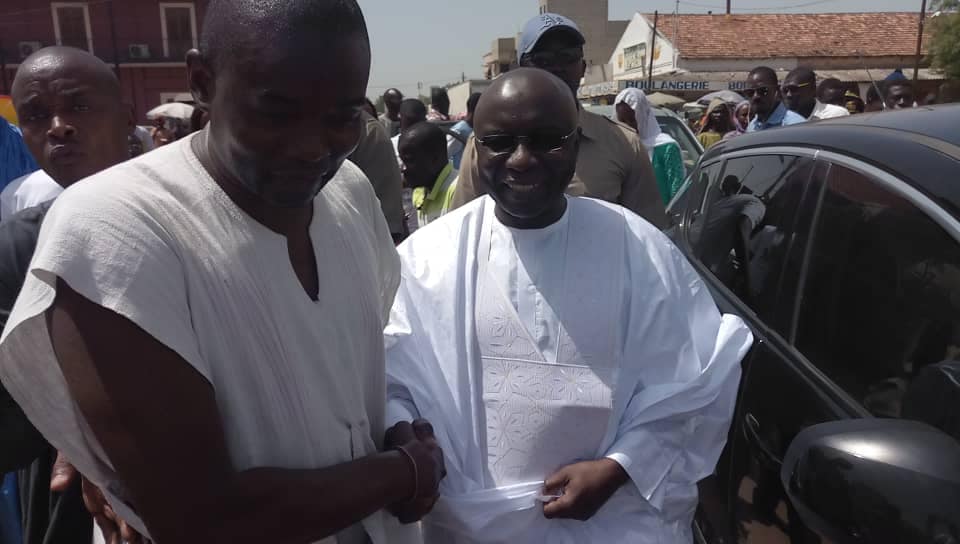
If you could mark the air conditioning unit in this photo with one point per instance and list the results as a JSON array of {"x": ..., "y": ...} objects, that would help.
[
  {"x": 28, "y": 48},
  {"x": 139, "y": 51}
]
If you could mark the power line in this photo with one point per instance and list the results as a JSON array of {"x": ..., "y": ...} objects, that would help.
[{"x": 764, "y": 9}]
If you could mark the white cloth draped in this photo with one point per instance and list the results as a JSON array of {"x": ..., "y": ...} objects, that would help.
[{"x": 676, "y": 362}]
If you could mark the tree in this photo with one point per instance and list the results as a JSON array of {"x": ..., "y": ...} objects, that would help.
[{"x": 945, "y": 38}]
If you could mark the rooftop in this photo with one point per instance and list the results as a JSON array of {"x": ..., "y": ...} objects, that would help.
[{"x": 878, "y": 34}]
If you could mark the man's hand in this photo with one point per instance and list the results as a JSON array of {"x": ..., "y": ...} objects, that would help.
[
  {"x": 114, "y": 529},
  {"x": 584, "y": 488},
  {"x": 418, "y": 441}
]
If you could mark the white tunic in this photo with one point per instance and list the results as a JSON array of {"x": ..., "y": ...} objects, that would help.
[
  {"x": 591, "y": 338},
  {"x": 299, "y": 383},
  {"x": 26, "y": 192}
]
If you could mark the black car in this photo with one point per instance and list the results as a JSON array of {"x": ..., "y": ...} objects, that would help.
[{"x": 839, "y": 244}]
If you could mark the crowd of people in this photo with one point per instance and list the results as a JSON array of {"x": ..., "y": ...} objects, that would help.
[
  {"x": 799, "y": 99},
  {"x": 306, "y": 321}
]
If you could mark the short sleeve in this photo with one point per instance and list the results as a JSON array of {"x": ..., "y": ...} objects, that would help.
[{"x": 115, "y": 252}]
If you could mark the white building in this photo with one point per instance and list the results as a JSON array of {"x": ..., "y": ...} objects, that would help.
[{"x": 695, "y": 54}]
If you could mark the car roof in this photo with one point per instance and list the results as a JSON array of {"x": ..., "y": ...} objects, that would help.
[{"x": 920, "y": 146}]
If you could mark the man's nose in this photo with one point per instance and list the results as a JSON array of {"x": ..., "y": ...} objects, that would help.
[
  {"x": 61, "y": 129},
  {"x": 521, "y": 159}
]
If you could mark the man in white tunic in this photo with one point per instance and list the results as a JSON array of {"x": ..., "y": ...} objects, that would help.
[
  {"x": 577, "y": 373},
  {"x": 200, "y": 331}
]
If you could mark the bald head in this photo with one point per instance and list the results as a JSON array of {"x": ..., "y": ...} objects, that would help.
[
  {"x": 236, "y": 25},
  {"x": 68, "y": 62},
  {"x": 539, "y": 92},
  {"x": 526, "y": 127},
  {"x": 71, "y": 113}
]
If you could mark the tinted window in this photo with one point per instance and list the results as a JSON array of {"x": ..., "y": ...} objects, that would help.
[
  {"x": 745, "y": 228},
  {"x": 690, "y": 196},
  {"x": 880, "y": 311}
]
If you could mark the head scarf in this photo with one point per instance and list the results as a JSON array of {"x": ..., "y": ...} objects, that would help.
[
  {"x": 647, "y": 125},
  {"x": 736, "y": 119},
  {"x": 15, "y": 158},
  {"x": 716, "y": 103}
]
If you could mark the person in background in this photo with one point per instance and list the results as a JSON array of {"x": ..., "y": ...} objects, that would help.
[
  {"x": 75, "y": 123},
  {"x": 799, "y": 93},
  {"x": 576, "y": 370},
  {"x": 898, "y": 94},
  {"x": 831, "y": 91},
  {"x": 390, "y": 118},
  {"x": 763, "y": 91},
  {"x": 741, "y": 120},
  {"x": 634, "y": 110},
  {"x": 374, "y": 155},
  {"x": 412, "y": 111},
  {"x": 249, "y": 269},
  {"x": 15, "y": 159},
  {"x": 370, "y": 108},
  {"x": 439, "y": 105},
  {"x": 719, "y": 122},
  {"x": 463, "y": 129},
  {"x": 874, "y": 102},
  {"x": 427, "y": 170},
  {"x": 613, "y": 164},
  {"x": 853, "y": 103}
]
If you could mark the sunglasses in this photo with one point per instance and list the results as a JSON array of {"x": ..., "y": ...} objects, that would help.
[
  {"x": 762, "y": 91},
  {"x": 558, "y": 57},
  {"x": 793, "y": 89},
  {"x": 537, "y": 143}
]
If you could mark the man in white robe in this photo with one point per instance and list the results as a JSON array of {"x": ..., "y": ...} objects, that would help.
[
  {"x": 577, "y": 373},
  {"x": 200, "y": 330}
]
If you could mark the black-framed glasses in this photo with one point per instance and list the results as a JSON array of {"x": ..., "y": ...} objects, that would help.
[
  {"x": 793, "y": 89},
  {"x": 537, "y": 143},
  {"x": 762, "y": 91},
  {"x": 556, "y": 57}
]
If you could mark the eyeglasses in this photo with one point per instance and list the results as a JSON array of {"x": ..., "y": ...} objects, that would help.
[
  {"x": 557, "y": 57},
  {"x": 537, "y": 143},
  {"x": 793, "y": 89},
  {"x": 762, "y": 91}
]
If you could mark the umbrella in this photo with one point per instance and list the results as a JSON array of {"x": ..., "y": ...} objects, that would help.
[
  {"x": 727, "y": 96},
  {"x": 177, "y": 110},
  {"x": 663, "y": 100}
]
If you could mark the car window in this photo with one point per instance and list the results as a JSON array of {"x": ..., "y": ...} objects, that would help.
[
  {"x": 689, "y": 147},
  {"x": 688, "y": 199},
  {"x": 880, "y": 312},
  {"x": 744, "y": 229}
]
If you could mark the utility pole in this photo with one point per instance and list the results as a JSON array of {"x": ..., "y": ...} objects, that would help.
[
  {"x": 653, "y": 47},
  {"x": 728, "y": 7},
  {"x": 916, "y": 64}
]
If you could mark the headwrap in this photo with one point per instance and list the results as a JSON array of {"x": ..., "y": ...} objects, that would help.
[{"x": 647, "y": 125}]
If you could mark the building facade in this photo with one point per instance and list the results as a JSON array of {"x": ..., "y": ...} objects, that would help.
[
  {"x": 145, "y": 40},
  {"x": 692, "y": 55}
]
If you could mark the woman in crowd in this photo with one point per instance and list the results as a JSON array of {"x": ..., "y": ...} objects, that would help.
[
  {"x": 633, "y": 109},
  {"x": 741, "y": 118},
  {"x": 717, "y": 124}
]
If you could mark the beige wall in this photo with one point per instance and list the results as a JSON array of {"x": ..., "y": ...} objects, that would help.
[{"x": 591, "y": 17}]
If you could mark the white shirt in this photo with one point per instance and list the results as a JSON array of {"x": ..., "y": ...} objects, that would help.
[
  {"x": 26, "y": 192},
  {"x": 828, "y": 111},
  {"x": 299, "y": 383},
  {"x": 600, "y": 322},
  {"x": 396, "y": 148}
]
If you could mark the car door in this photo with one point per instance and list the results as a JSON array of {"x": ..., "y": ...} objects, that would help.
[
  {"x": 746, "y": 237},
  {"x": 874, "y": 331}
]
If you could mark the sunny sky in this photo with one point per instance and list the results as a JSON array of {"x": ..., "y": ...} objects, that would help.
[{"x": 436, "y": 41}]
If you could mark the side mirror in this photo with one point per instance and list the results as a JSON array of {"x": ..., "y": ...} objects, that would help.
[{"x": 875, "y": 481}]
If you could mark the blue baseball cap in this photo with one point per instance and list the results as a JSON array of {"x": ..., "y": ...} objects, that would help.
[{"x": 540, "y": 25}]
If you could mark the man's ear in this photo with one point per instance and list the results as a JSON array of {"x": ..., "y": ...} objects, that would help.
[
  {"x": 202, "y": 81},
  {"x": 131, "y": 119}
]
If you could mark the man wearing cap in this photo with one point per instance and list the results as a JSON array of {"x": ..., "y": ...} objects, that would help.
[{"x": 612, "y": 165}]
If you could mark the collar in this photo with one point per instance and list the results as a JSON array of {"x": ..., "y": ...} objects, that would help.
[
  {"x": 776, "y": 118},
  {"x": 420, "y": 197}
]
